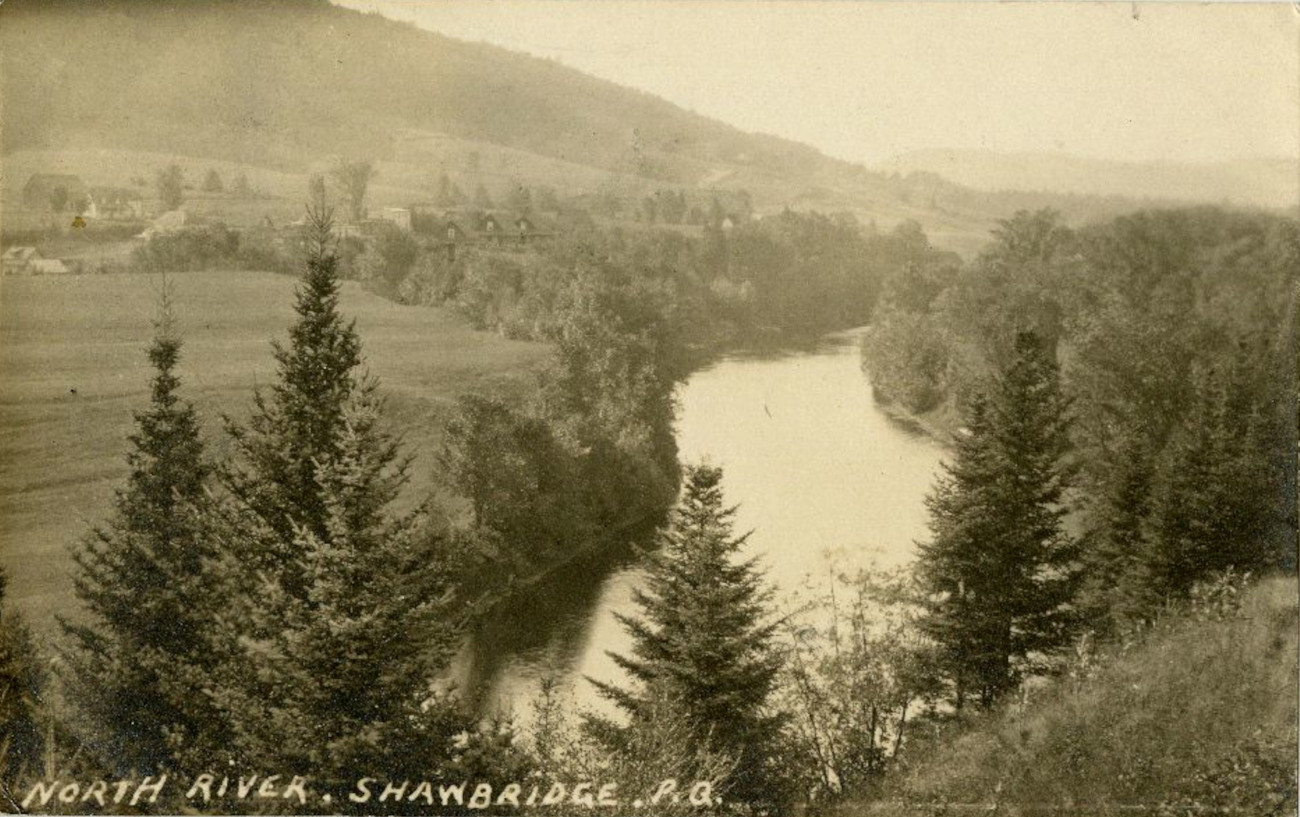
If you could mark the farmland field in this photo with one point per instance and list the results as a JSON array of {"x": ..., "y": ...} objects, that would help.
[{"x": 73, "y": 369}]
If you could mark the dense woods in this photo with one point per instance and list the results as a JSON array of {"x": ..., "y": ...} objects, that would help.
[
  {"x": 1120, "y": 401},
  {"x": 1171, "y": 333}
]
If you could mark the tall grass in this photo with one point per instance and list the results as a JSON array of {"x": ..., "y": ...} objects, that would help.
[{"x": 1198, "y": 717}]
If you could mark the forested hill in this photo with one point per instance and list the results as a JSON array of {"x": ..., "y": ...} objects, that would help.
[{"x": 293, "y": 85}]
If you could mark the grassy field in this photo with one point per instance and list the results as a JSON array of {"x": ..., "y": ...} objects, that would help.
[
  {"x": 73, "y": 369},
  {"x": 1200, "y": 716}
]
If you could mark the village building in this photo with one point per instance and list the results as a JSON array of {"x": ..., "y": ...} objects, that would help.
[
  {"x": 49, "y": 266},
  {"x": 18, "y": 260},
  {"x": 114, "y": 203},
  {"x": 27, "y": 261},
  {"x": 53, "y": 192},
  {"x": 171, "y": 221}
]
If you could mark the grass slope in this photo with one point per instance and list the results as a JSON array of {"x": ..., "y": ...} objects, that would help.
[
  {"x": 62, "y": 452},
  {"x": 1199, "y": 717}
]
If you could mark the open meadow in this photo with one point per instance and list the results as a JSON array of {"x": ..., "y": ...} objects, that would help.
[{"x": 73, "y": 369}]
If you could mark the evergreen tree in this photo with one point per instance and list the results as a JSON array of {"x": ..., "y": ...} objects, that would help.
[
  {"x": 1217, "y": 503},
  {"x": 1117, "y": 587},
  {"x": 212, "y": 182},
  {"x": 22, "y": 684},
  {"x": 300, "y": 425},
  {"x": 347, "y": 614},
  {"x": 704, "y": 643},
  {"x": 1000, "y": 571},
  {"x": 171, "y": 186},
  {"x": 144, "y": 580}
]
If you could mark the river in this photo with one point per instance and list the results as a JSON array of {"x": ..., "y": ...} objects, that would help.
[{"x": 821, "y": 476}]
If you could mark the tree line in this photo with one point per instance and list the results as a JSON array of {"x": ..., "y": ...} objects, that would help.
[
  {"x": 1120, "y": 444},
  {"x": 269, "y": 610}
]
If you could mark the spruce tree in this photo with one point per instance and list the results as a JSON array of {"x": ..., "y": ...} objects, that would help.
[
  {"x": 347, "y": 615},
  {"x": 1217, "y": 502},
  {"x": 1000, "y": 571},
  {"x": 1117, "y": 587},
  {"x": 704, "y": 642},
  {"x": 143, "y": 578},
  {"x": 299, "y": 426},
  {"x": 22, "y": 686}
]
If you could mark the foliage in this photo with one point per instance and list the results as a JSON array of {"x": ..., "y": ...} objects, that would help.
[
  {"x": 387, "y": 259},
  {"x": 704, "y": 644},
  {"x": 355, "y": 177},
  {"x": 171, "y": 186},
  {"x": 23, "y": 693},
  {"x": 521, "y": 483},
  {"x": 212, "y": 182},
  {"x": 1170, "y": 327},
  {"x": 1000, "y": 571},
  {"x": 1195, "y": 716},
  {"x": 346, "y": 612},
  {"x": 909, "y": 357},
  {"x": 648, "y": 752},
  {"x": 856, "y": 672},
  {"x": 188, "y": 250},
  {"x": 135, "y": 670}
]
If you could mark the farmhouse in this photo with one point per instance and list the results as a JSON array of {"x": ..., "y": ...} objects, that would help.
[
  {"x": 114, "y": 203},
  {"x": 27, "y": 261},
  {"x": 18, "y": 260},
  {"x": 49, "y": 266},
  {"x": 53, "y": 191},
  {"x": 169, "y": 222}
]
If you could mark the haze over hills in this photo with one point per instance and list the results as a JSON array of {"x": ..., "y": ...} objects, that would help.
[
  {"x": 1262, "y": 182},
  {"x": 117, "y": 89}
]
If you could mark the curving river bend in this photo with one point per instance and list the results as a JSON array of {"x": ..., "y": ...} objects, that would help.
[{"x": 821, "y": 475}]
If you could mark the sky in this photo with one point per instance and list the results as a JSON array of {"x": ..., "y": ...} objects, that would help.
[{"x": 866, "y": 81}]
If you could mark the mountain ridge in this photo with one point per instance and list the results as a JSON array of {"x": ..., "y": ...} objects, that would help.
[
  {"x": 286, "y": 89},
  {"x": 1261, "y": 181}
]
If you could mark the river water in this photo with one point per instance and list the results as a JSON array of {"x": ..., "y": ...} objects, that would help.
[{"x": 821, "y": 475}]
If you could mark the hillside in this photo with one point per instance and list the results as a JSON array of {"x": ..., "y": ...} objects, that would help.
[
  {"x": 117, "y": 89},
  {"x": 1199, "y": 716},
  {"x": 1271, "y": 182}
]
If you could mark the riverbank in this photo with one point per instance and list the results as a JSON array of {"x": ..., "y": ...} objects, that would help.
[
  {"x": 934, "y": 425},
  {"x": 822, "y": 477}
]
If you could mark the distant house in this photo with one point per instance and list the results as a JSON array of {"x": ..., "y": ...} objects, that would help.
[
  {"x": 53, "y": 191},
  {"x": 18, "y": 260},
  {"x": 49, "y": 266},
  {"x": 530, "y": 229},
  {"x": 401, "y": 216},
  {"x": 451, "y": 232},
  {"x": 114, "y": 203},
  {"x": 172, "y": 221}
]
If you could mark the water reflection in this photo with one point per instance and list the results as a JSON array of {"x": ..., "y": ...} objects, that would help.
[{"x": 820, "y": 474}]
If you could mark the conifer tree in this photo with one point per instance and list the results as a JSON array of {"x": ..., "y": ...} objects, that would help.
[
  {"x": 1000, "y": 571},
  {"x": 299, "y": 425},
  {"x": 1117, "y": 586},
  {"x": 1217, "y": 500},
  {"x": 144, "y": 581},
  {"x": 22, "y": 684},
  {"x": 704, "y": 642},
  {"x": 347, "y": 613}
]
